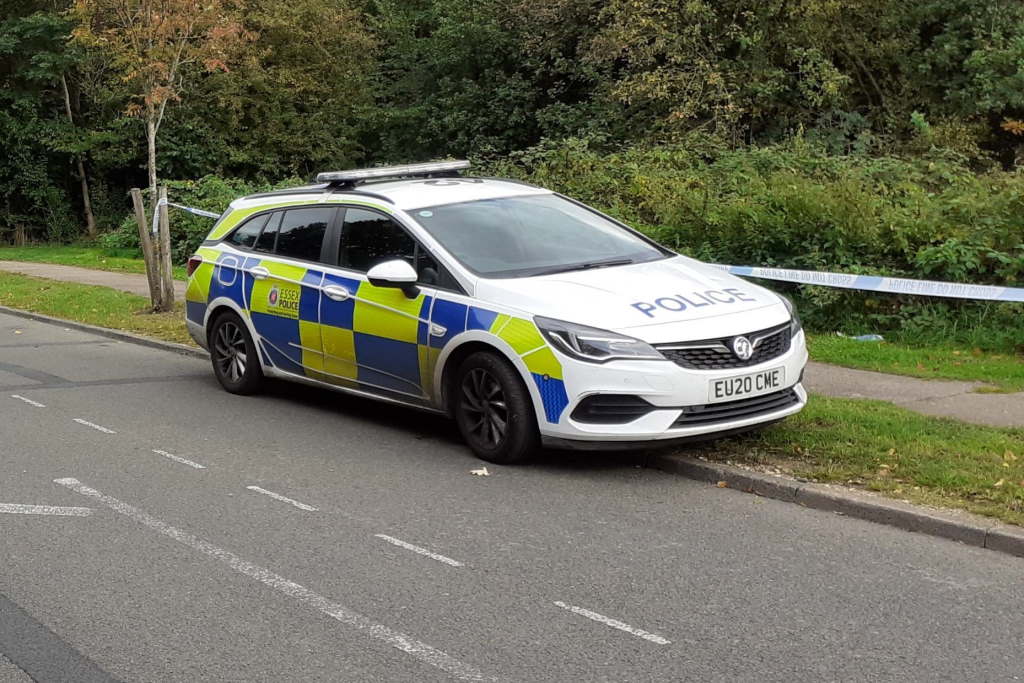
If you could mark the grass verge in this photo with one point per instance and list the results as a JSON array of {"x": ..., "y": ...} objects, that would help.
[
  {"x": 1005, "y": 372},
  {"x": 877, "y": 446},
  {"x": 869, "y": 444},
  {"x": 93, "y": 305},
  {"x": 82, "y": 256}
]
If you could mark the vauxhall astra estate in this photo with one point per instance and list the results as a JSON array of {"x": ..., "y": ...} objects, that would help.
[{"x": 528, "y": 317}]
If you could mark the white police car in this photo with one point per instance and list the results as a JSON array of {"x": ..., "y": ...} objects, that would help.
[{"x": 528, "y": 317}]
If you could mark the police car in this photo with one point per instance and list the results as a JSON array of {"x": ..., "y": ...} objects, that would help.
[{"x": 528, "y": 317}]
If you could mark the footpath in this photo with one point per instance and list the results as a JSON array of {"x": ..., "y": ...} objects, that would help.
[{"x": 941, "y": 398}]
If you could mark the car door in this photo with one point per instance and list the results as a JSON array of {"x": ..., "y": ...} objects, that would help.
[
  {"x": 377, "y": 337},
  {"x": 285, "y": 275}
]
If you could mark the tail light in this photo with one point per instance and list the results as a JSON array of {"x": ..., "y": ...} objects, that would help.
[{"x": 193, "y": 263}]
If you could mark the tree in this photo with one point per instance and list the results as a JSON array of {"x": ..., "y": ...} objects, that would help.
[
  {"x": 293, "y": 106},
  {"x": 154, "y": 46},
  {"x": 38, "y": 137}
]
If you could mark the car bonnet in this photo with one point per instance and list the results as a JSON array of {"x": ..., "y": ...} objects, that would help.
[{"x": 676, "y": 299}]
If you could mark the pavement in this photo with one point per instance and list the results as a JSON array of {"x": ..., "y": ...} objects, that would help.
[
  {"x": 133, "y": 283},
  {"x": 183, "y": 533},
  {"x": 939, "y": 398}
]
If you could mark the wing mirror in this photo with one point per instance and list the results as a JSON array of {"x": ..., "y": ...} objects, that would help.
[{"x": 396, "y": 273}]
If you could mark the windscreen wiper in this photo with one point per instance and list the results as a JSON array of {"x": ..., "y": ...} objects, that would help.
[{"x": 587, "y": 266}]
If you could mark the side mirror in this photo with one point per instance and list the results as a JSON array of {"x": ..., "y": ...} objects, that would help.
[{"x": 395, "y": 273}]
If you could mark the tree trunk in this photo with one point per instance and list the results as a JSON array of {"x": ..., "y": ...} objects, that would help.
[
  {"x": 148, "y": 253},
  {"x": 151, "y": 148},
  {"x": 166, "y": 276},
  {"x": 90, "y": 221}
]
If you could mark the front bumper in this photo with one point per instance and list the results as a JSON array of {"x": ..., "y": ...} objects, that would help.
[{"x": 674, "y": 392}]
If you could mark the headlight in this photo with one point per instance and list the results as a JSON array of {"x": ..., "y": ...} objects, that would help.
[
  {"x": 794, "y": 323},
  {"x": 593, "y": 345}
]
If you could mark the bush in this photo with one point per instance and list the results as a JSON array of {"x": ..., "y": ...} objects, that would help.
[{"x": 796, "y": 206}]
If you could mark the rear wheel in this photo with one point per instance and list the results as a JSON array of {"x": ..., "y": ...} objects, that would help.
[
  {"x": 493, "y": 409},
  {"x": 234, "y": 355}
]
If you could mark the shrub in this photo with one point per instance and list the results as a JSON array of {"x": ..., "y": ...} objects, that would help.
[{"x": 795, "y": 206}]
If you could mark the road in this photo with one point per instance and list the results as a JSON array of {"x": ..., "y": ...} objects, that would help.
[{"x": 300, "y": 535}]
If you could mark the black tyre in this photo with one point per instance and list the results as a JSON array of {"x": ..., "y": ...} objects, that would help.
[
  {"x": 493, "y": 409},
  {"x": 234, "y": 355}
]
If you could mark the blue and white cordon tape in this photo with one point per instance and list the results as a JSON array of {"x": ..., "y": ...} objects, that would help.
[
  {"x": 878, "y": 283},
  {"x": 868, "y": 283},
  {"x": 197, "y": 212}
]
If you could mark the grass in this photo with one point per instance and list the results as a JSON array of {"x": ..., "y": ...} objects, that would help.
[
  {"x": 93, "y": 305},
  {"x": 877, "y": 446},
  {"x": 869, "y": 444},
  {"x": 1002, "y": 372},
  {"x": 1005, "y": 372},
  {"x": 82, "y": 256}
]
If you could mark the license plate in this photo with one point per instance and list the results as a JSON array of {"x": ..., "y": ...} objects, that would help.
[{"x": 741, "y": 386}]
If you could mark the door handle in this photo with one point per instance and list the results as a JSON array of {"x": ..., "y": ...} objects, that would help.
[
  {"x": 336, "y": 292},
  {"x": 260, "y": 273}
]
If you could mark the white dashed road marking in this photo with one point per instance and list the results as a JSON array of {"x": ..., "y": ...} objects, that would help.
[
  {"x": 421, "y": 651},
  {"x": 16, "y": 509},
  {"x": 614, "y": 623},
  {"x": 29, "y": 401},
  {"x": 95, "y": 426},
  {"x": 178, "y": 458},
  {"x": 283, "y": 499},
  {"x": 417, "y": 549}
]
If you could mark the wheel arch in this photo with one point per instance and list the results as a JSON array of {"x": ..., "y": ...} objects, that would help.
[
  {"x": 460, "y": 348},
  {"x": 222, "y": 305}
]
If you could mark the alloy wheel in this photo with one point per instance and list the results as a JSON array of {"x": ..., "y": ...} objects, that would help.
[
  {"x": 483, "y": 402},
  {"x": 230, "y": 351}
]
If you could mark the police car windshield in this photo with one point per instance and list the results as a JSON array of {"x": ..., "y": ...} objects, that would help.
[{"x": 532, "y": 235}]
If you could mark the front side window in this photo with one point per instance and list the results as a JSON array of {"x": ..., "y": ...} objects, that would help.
[
  {"x": 369, "y": 238},
  {"x": 532, "y": 235},
  {"x": 301, "y": 234}
]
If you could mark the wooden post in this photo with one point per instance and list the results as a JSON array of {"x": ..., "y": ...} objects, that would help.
[
  {"x": 166, "y": 276},
  {"x": 148, "y": 253}
]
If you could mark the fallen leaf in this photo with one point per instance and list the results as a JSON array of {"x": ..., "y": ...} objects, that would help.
[
  {"x": 999, "y": 483},
  {"x": 723, "y": 484},
  {"x": 1008, "y": 455},
  {"x": 892, "y": 452},
  {"x": 482, "y": 472}
]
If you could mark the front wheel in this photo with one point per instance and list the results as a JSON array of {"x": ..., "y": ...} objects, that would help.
[
  {"x": 234, "y": 355},
  {"x": 493, "y": 410}
]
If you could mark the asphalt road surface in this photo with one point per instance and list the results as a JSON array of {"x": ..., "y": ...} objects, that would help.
[{"x": 155, "y": 528}]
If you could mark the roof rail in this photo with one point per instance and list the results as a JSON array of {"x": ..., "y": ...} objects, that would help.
[{"x": 351, "y": 178}]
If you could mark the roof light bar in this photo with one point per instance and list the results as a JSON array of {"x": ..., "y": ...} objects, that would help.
[{"x": 356, "y": 175}]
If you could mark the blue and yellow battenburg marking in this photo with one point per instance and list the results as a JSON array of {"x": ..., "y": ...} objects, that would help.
[{"x": 377, "y": 337}]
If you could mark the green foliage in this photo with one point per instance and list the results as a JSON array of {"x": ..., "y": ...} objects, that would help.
[
  {"x": 795, "y": 206},
  {"x": 864, "y": 136}
]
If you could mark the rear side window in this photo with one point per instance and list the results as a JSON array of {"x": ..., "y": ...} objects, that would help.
[
  {"x": 301, "y": 234},
  {"x": 245, "y": 236},
  {"x": 269, "y": 235}
]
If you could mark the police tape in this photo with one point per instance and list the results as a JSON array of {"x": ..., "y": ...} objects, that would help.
[
  {"x": 878, "y": 283},
  {"x": 190, "y": 209}
]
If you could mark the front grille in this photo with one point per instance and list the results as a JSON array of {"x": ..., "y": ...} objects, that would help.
[
  {"x": 713, "y": 413},
  {"x": 716, "y": 354}
]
